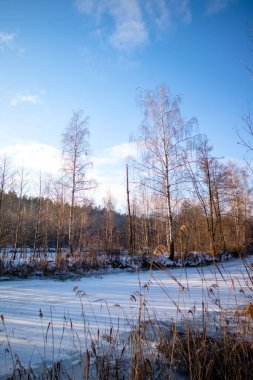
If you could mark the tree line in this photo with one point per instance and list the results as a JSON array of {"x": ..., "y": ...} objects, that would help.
[{"x": 180, "y": 197}]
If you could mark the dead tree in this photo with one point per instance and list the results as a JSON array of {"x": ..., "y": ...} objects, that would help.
[
  {"x": 20, "y": 215},
  {"x": 130, "y": 216}
]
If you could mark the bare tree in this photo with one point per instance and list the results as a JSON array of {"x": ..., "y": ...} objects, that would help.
[
  {"x": 6, "y": 184},
  {"x": 208, "y": 179},
  {"x": 130, "y": 216},
  {"x": 20, "y": 213},
  {"x": 59, "y": 213},
  {"x": 165, "y": 139},
  {"x": 109, "y": 221},
  {"x": 6, "y": 178},
  {"x": 245, "y": 133},
  {"x": 75, "y": 161},
  {"x": 37, "y": 222},
  {"x": 239, "y": 205}
]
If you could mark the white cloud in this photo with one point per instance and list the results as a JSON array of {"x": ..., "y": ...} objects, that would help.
[
  {"x": 129, "y": 35},
  {"x": 6, "y": 38},
  {"x": 85, "y": 6},
  {"x": 123, "y": 150},
  {"x": 216, "y": 6},
  {"x": 167, "y": 13},
  {"x": 182, "y": 10},
  {"x": 33, "y": 156},
  {"x": 8, "y": 41},
  {"x": 116, "y": 154},
  {"x": 108, "y": 169},
  {"x": 19, "y": 99},
  {"x": 110, "y": 178},
  {"x": 133, "y": 19},
  {"x": 130, "y": 31},
  {"x": 159, "y": 13}
]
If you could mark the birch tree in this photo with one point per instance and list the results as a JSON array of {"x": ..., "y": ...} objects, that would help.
[
  {"x": 165, "y": 139},
  {"x": 76, "y": 162}
]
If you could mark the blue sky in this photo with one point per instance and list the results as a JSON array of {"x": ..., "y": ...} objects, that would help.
[{"x": 62, "y": 55}]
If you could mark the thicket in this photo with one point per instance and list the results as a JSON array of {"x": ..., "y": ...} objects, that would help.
[{"x": 41, "y": 224}]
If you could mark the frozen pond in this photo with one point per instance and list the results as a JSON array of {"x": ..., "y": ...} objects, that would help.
[{"x": 67, "y": 322}]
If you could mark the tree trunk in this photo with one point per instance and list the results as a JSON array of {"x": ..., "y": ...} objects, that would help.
[{"x": 130, "y": 221}]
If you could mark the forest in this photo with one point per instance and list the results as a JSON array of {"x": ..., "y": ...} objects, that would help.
[{"x": 180, "y": 198}]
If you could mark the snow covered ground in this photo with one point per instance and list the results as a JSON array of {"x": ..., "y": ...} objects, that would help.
[{"x": 45, "y": 319}]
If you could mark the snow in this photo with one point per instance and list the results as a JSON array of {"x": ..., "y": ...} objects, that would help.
[{"x": 109, "y": 300}]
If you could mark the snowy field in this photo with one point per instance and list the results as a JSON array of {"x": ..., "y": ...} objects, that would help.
[{"x": 46, "y": 319}]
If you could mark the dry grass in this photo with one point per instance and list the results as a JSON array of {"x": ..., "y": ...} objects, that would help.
[
  {"x": 153, "y": 349},
  {"x": 199, "y": 356}
]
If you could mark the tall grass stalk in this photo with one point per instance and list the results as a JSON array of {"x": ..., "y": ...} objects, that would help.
[{"x": 209, "y": 341}]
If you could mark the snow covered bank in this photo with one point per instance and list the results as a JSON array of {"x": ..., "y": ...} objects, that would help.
[
  {"x": 64, "y": 266},
  {"x": 44, "y": 320}
]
